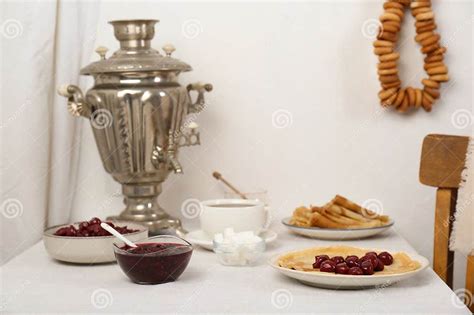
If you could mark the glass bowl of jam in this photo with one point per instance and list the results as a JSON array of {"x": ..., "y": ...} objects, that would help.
[{"x": 157, "y": 259}]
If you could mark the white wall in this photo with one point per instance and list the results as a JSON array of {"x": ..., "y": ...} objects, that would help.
[{"x": 312, "y": 60}]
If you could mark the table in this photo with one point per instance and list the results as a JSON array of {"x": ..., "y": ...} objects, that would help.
[{"x": 33, "y": 282}]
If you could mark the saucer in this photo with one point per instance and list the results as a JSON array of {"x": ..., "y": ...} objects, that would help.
[{"x": 199, "y": 237}]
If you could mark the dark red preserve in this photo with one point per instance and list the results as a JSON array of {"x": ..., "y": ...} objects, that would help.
[{"x": 153, "y": 263}]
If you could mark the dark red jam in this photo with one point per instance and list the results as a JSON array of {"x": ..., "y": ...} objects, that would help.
[
  {"x": 91, "y": 228},
  {"x": 152, "y": 263}
]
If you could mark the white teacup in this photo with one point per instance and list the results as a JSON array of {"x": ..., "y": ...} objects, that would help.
[{"x": 239, "y": 214}]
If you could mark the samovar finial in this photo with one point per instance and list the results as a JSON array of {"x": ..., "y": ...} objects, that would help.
[
  {"x": 134, "y": 34},
  {"x": 168, "y": 49},
  {"x": 102, "y": 51}
]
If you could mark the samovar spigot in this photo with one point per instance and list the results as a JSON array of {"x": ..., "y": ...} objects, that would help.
[
  {"x": 175, "y": 165},
  {"x": 159, "y": 156},
  {"x": 75, "y": 100}
]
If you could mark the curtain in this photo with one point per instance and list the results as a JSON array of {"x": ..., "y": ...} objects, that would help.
[{"x": 43, "y": 44}]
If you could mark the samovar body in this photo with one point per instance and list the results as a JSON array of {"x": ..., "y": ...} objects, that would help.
[{"x": 139, "y": 115}]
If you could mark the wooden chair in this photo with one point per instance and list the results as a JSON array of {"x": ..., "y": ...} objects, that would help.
[{"x": 442, "y": 161}]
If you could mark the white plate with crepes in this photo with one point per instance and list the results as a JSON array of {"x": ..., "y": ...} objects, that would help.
[
  {"x": 414, "y": 264},
  {"x": 336, "y": 234}
]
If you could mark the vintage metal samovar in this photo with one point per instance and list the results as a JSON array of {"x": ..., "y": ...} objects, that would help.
[{"x": 138, "y": 113}]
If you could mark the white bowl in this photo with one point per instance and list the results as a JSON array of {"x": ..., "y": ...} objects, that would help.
[
  {"x": 246, "y": 254},
  {"x": 87, "y": 250},
  {"x": 348, "y": 282},
  {"x": 201, "y": 238},
  {"x": 335, "y": 234}
]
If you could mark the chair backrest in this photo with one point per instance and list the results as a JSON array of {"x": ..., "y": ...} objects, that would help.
[{"x": 443, "y": 159}]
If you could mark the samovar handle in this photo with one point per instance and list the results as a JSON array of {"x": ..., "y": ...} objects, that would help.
[
  {"x": 75, "y": 100},
  {"x": 200, "y": 103}
]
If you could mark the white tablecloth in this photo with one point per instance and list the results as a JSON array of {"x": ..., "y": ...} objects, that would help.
[{"x": 33, "y": 282}]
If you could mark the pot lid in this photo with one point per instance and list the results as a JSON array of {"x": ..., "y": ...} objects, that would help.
[{"x": 135, "y": 53}]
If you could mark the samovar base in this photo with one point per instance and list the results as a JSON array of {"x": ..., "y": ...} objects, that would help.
[{"x": 142, "y": 207}]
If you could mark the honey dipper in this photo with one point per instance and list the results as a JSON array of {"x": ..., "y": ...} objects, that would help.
[{"x": 218, "y": 176}]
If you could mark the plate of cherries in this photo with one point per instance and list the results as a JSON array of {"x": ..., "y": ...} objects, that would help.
[
  {"x": 372, "y": 268},
  {"x": 87, "y": 242}
]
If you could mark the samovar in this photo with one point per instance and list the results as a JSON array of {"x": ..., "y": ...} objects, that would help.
[{"x": 140, "y": 115}]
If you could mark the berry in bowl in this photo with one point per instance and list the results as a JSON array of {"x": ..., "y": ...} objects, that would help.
[
  {"x": 87, "y": 242},
  {"x": 157, "y": 259},
  {"x": 91, "y": 228}
]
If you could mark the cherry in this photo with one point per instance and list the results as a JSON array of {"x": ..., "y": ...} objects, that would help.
[
  {"x": 352, "y": 261},
  {"x": 62, "y": 231},
  {"x": 71, "y": 231},
  {"x": 83, "y": 225},
  {"x": 342, "y": 268},
  {"x": 371, "y": 254},
  {"x": 319, "y": 259},
  {"x": 337, "y": 259},
  {"x": 321, "y": 256},
  {"x": 371, "y": 258},
  {"x": 386, "y": 258},
  {"x": 95, "y": 221},
  {"x": 95, "y": 228},
  {"x": 356, "y": 271},
  {"x": 380, "y": 266},
  {"x": 328, "y": 266},
  {"x": 367, "y": 267},
  {"x": 318, "y": 262}
]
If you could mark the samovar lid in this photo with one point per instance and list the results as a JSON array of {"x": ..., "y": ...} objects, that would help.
[{"x": 135, "y": 53}]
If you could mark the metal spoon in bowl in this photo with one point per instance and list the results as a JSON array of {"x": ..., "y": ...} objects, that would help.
[{"x": 114, "y": 232}]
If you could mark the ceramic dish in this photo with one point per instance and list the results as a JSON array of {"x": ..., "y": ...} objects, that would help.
[
  {"x": 335, "y": 234},
  {"x": 87, "y": 250},
  {"x": 348, "y": 282},
  {"x": 199, "y": 237}
]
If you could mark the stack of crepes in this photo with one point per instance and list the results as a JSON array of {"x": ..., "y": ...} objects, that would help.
[{"x": 339, "y": 213}]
